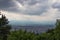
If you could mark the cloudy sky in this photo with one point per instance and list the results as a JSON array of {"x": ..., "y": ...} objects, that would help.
[{"x": 31, "y": 10}]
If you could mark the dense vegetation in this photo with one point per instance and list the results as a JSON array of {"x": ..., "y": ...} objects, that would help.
[
  {"x": 4, "y": 28},
  {"x": 6, "y": 34}
]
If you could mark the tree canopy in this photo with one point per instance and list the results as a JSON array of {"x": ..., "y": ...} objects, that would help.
[{"x": 4, "y": 28}]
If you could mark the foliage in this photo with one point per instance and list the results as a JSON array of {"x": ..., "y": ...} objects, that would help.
[{"x": 4, "y": 28}]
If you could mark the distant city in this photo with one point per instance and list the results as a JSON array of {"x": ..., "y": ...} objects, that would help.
[{"x": 32, "y": 26}]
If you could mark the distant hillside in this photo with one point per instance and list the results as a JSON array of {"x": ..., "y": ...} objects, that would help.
[
  {"x": 24, "y": 23},
  {"x": 53, "y": 34},
  {"x": 34, "y": 27}
]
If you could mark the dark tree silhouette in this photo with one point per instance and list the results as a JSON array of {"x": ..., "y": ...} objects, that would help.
[{"x": 4, "y": 27}]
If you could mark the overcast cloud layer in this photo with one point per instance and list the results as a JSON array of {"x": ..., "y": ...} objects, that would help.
[{"x": 37, "y": 10}]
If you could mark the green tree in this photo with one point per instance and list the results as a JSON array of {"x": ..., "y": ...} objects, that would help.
[
  {"x": 4, "y": 28},
  {"x": 57, "y": 30}
]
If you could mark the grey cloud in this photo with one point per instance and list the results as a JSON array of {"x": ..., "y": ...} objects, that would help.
[
  {"x": 37, "y": 11},
  {"x": 32, "y": 2},
  {"x": 56, "y": 5},
  {"x": 4, "y": 4},
  {"x": 10, "y": 5},
  {"x": 31, "y": 11},
  {"x": 29, "y": 2}
]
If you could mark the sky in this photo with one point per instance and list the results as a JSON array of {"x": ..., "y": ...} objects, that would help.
[{"x": 31, "y": 10}]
